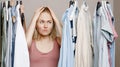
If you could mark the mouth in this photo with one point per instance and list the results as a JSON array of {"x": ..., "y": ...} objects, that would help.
[{"x": 45, "y": 30}]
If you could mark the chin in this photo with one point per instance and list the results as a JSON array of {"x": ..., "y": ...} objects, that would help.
[{"x": 45, "y": 34}]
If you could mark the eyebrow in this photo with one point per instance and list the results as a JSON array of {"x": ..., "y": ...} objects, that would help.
[{"x": 44, "y": 20}]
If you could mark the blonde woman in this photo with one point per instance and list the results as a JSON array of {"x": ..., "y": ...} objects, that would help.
[{"x": 43, "y": 38}]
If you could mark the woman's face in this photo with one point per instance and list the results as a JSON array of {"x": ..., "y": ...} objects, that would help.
[{"x": 45, "y": 24}]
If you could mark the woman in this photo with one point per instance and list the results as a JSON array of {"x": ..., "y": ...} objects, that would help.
[{"x": 42, "y": 39}]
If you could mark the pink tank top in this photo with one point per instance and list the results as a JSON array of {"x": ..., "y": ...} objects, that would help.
[{"x": 39, "y": 59}]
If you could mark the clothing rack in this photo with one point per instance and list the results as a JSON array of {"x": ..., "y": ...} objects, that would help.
[{"x": 11, "y": 3}]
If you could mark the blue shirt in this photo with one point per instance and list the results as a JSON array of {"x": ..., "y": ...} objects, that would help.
[{"x": 67, "y": 48}]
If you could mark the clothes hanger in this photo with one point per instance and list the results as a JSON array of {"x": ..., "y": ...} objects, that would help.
[
  {"x": 9, "y": 5},
  {"x": 74, "y": 8},
  {"x": 20, "y": 2},
  {"x": 84, "y": 1},
  {"x": 107, "y": 2},
  {"x": 71, "y": 2},
  {"x": 16, "y": 3},
  {"x": 4, "y": 4},
  {"x": 22, "y": 14},
  {"x": 99, "y": 4}
]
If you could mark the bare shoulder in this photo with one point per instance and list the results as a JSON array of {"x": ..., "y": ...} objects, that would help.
[
  {"x": 58, "y": 40},
  {"x": 30, "y": 44}
]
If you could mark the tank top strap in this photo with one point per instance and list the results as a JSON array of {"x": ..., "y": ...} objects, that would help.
[
  {"x": 56, "y": 43},
  {"x": 32, "y": 45}
]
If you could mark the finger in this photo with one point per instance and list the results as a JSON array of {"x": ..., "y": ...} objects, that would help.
[
  {"x": 50, "y": 10},
  {"x": 37, "y": 12},
  {"x": 39, "y": 9}
]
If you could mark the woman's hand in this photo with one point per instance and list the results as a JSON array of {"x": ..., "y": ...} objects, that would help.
[
  {"x": 31, "y": 28},
  {"x": 53, "y": 15},
  {"x": 37, "y": 13}
]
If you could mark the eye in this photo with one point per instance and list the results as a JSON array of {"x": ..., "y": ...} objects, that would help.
[
  {"x": 41, "y": 22},
  {"x": 50, "y": 22}
]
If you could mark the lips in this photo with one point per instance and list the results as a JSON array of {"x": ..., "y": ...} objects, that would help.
[{"x": 45, "y": 30}]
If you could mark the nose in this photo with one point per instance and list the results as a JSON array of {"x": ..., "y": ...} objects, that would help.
[{"x": 45, "y": 25}]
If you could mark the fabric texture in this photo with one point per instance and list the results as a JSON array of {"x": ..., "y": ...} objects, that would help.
[
  {"x": 83, "y": 52},
  {"x": 67, "y": 46},
  {"x": 40, "y": 59},
  {"x": 21, "y": 56}
]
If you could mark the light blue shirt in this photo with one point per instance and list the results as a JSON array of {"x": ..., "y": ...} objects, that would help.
[
  {"x": 14, "y": 26},
  {"x": 67, "y": 48}
]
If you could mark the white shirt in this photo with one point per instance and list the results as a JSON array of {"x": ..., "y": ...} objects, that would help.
[
  {"x": 21, "y": 58},
  {"x": 83, "y": 54}
]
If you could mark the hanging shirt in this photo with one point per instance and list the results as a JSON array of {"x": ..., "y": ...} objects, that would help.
[
  {"x": 67, "y": 47},
  {"x": 4, "y": 37},
  {"x": 73, "y": 20},
  {"x": 112, "y": 50},
  {"x": 6, "y": 4},
  {"x": 1, "y": 23},
  {"x": 9, "y": 40},
  {"x": 96, "y": 34},
  {"x": 83, "y": 53},
  {"x": 14, "y": 25},
  {"x": 101, "y": 26},
  {"x": 103, "y": 37},
  {"x": 111, "y": 41},
  {"x": 21, "y": 57}
]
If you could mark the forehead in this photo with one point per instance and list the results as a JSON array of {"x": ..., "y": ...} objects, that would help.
[{"x": 45, "y": 16}]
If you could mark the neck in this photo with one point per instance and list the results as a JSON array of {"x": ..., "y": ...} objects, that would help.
[{"x": 45, "y": 38}]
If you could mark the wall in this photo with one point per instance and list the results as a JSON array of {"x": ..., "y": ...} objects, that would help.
[
  {"x": 58, "y": 6},
  {"x": 117, "y": 25}
]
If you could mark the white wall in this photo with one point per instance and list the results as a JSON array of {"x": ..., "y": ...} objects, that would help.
[{"x": 58, "y": 6}]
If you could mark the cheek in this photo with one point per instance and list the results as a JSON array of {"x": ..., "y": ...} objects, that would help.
[
  {"x": 51, "y": 27},
  {"x": 39, "y": 27}
]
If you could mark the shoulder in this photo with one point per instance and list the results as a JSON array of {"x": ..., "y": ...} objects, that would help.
[
  {"x": 58, "y": 40},
  {"x": 31, "y": 45}
]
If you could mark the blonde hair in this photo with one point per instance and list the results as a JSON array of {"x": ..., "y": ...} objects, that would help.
[{"x": 36, "y": 35}]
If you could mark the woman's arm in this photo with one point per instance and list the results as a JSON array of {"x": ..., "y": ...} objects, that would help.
[
  {"x": 59, "y": 29},
  {"x": 58, "y": 26},
  {"x": 31, "y": 28}
]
